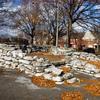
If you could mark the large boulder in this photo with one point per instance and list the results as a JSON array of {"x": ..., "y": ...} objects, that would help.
[
  {"x": 47, "y": 76},
  {"x": 90, "y": 67},
  {"x": 28, "y": 58},
  {"x": 54, "y": 70},
  {"x": 72, "y": 80},
  {"x": 24, "y": 61},
  {"x": 18, "y": 53},
  {"x": 68, "y": 76},
  {"x": 97, "y": 75},
  {"x": 30, "y": 67},
  {"x": 57, "y": 79},
  {"x": 7, "y": 58}
]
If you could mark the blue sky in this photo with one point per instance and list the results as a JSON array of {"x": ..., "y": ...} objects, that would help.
[{"x": 16, "y": 2}]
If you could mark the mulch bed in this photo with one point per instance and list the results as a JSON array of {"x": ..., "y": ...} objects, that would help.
[
  {"x": 75, "y": 95},
  {"x": 41, "y": 82}
]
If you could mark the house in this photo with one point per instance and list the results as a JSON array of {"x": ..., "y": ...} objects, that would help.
[
  {"x": 90, "y": 40},
  {"x": 81, "y": 40},
  {"x": 75, "y": 41}
]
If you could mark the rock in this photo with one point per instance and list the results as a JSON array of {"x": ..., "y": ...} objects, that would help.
[
  {"x": 90, "y": 67},
  {"x": 28, "y": 72},
  {"x": 72, "y": 80},
  {"x": 36, "y": 64},
  {"x": 76, "y": 53},
  {"x": 97, "y": 75},
  {"x": 75, "y": 63},
  {"x": 14, "y": 54},
  {"x": 1, "y": 54},
  {"x": 68, "y": 76},
  {"x": 14, "y": 65},
  {"x": 24, "y": 61},
  {"x": 57, "y": 71},
  {"x": 57, "y": 79},
  {"x": 7, "y": 66},
  {"x": 29, "y": 66},
  {"x": 21, "y": 55},
  {"x": 21, "y": 67},
  {"x": 59, "y": 83},
  {"x": 54, "y": 70},
  {"x": 39, "y": 69},
  {"x": 18, "y": 53},
  {"x": 7, "y": 58},
  {"x": 49, "y": 69},
  {"x": 9, "y": 53},
  {"x": 47, "y": 76},
  {"x": 67, "y": 66},
  {"x": 7, "y": 62},
  {"x": 28, "y": 58},
  {"x": 1, "y": 65},
  {"x": 15, "y": 60},
  {"x": 35, "y": 58},
  {"x": 1, "y": 50},
  {"x": 40, "y": 60},
  {"x": 29, "y": 50},
  {"x": 45, "y": 64},
  {"x": 38, "y": 74},
  {"x": 87, "y": 71},
  {"x": 1, "y": 60},
  {"x": 54, "y": 50}
]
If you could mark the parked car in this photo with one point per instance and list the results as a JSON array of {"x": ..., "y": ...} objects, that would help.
[
  {"x": 89, "y": 50},
  {"x": 39, "y": 48}
]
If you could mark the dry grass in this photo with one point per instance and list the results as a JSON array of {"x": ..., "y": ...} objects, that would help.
[
  {"x": 41, "y": 82},
  {"x": 48, "y": 56},
  {"x": 76, "y": 95}
]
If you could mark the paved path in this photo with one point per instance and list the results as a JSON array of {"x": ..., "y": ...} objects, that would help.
[{"x": 15, "y": 86}]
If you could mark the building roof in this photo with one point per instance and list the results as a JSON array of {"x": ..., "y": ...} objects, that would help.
[{"x": 88, "y": 36}]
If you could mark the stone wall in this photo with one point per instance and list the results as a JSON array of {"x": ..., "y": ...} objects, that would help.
[
  {"x": 86, "y": 63},
  {"x": 12, "y": 58}
]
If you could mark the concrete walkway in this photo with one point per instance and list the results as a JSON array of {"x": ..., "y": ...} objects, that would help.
[
  {"x": 19, "y": 87},
  {"x": 14, "y": 86}
]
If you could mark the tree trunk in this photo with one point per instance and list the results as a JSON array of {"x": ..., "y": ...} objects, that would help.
[
  {"x": 69, "y": 33},
  {"x": 57, "y": 24},
  {"x": 31, "y": 40},
  {"x": 98, "y": 45},
  {"x": 54, "y": 41},
  {"x": 32, "y": 36}
]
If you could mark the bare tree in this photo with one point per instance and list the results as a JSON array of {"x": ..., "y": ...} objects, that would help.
[
  {"x": 52, "y": 14},
  {"x": 83, "y": 12},
  {"x": 26, "y": 19}
]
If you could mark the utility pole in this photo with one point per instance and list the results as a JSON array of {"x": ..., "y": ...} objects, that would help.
[{"x": 57, "y": 23}]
